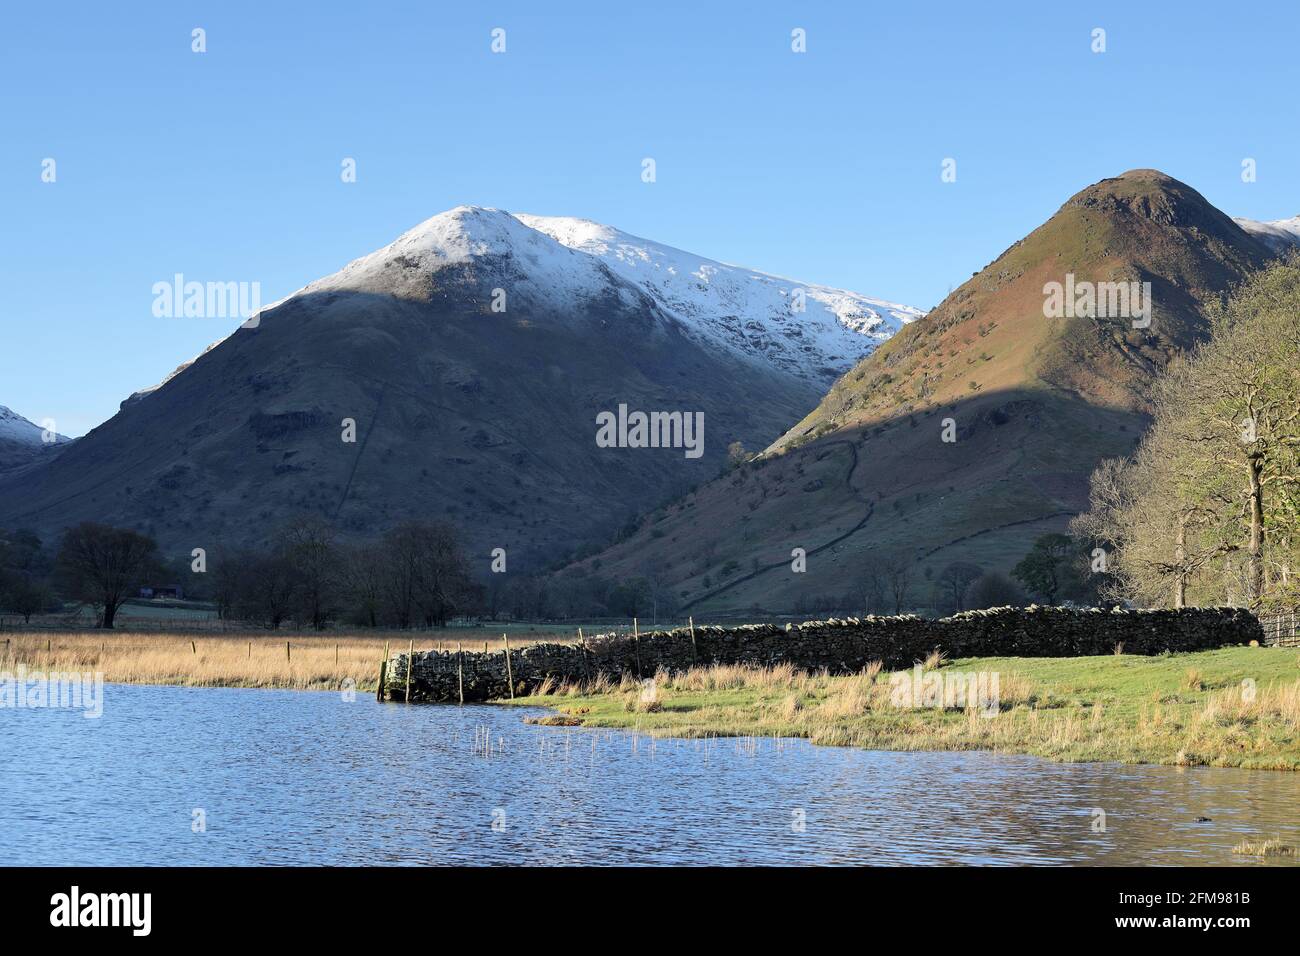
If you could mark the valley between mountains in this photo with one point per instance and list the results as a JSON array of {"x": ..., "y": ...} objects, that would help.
[{"x": 475, "y": 353}]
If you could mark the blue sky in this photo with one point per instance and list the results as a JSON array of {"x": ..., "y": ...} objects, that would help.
[{"x": 823, "y": 166}]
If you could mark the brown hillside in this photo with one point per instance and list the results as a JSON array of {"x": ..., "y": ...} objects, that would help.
[{"x": 1036, "y": 402}]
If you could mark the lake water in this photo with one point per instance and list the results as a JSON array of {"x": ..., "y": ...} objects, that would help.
[{"x": 284, "y": 777}]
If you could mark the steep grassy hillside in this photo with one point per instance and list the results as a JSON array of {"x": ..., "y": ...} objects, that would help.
[
  {"x": 991, "y": 334},
  {"x": 1033, "y": 404}
]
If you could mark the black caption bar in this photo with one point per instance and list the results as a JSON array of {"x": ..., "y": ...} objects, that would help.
[{"x": 137, "y": 906}]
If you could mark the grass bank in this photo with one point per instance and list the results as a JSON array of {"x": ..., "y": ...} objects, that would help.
[
  {"x": 291, "y": 661},
  {"x": 1233, "y": 707}
]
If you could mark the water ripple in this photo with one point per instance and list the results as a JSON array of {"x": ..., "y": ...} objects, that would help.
[{"x": 307, "y": 778}]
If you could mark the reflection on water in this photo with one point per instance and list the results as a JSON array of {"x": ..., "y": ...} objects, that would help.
[{"x": 285, "y": 777}]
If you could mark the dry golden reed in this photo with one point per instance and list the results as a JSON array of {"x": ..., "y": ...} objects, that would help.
[{"x": 310, "y": 662}]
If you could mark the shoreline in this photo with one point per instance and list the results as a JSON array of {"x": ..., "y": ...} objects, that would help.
[
  {"x": 1184, "y": 710},
  {"x": 1231, "y": 707}
]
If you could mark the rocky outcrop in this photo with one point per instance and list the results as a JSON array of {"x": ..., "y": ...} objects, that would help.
[{"x": 841, "y": 646}]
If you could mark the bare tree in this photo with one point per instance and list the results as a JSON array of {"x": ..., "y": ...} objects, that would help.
[
  {"x": 873, "y": 586},
  {"x": 308, "y": 544},
  {"x": 401, "y": 564},
  {"x": 659, "y": 588},
  {"x": 26, "y": 595},
  {"x": 443, "y": 582},
  {"x": 426, "y": 574},
  {"x": 229, "y": 579},
  {"x": 362, "y": 569},
  {"x": 272, "y": 589},
  {"x": 898, "y": 581},
  {"x": 105, "y": 566},
  {"x": 1205, "y": 509},
  {"x": 953, "y": 582}
]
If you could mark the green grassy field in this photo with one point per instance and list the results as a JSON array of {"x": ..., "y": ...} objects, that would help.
[{"x": 1237, "y": 707}]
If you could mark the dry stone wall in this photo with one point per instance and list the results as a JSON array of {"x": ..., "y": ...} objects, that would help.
[{"x": 839, "y": 645}]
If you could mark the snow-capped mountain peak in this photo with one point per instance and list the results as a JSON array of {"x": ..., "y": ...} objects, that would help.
[
  {"x": 534, "y": 269},
  {"x": 809, "y": 331},
  {"x": 1278, "y": 234}
]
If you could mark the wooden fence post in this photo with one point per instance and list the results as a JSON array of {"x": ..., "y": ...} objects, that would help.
[
  {"x": 410, "y": 663},
  {"x": 383, "y": 674},
  {"x": 194, "y": 649},
  {"x": 460, "y": 673},
  {"x": 250, "y": 650},
  {"x": 636, "y": 646},
  {"x": 510, "y": 674},
  {"x": 336, "y": 653},
  {"x": 287, "y": 655},
  {"x": 582, "y": 643},
  {"x": 695, "y": 657}
]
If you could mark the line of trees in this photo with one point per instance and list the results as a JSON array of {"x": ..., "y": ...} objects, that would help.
[
  {"x": 1055, "y": 570},
  {"x": 887, "y": 587},
  {"x": 93, "y": 564},
  {"x": 1207, "y": 509},
  {"x": 417, "y": 574},
  {"x": 582, "y": 595}
]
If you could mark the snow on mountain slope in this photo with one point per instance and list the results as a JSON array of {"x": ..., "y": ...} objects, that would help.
[
  {"x": 149, "y": 390},
  {"x": 18, "y": 430},
  {"x": 22, "y": 441},
  {"x": 565, "y": 262},
  {"x": 1278, "y": 234},
  {"x": 749, "y": 312},
  {"x": 531, "y": 267}
]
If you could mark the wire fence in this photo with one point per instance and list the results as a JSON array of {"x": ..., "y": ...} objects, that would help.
[
  {"x": 138, "y": 625},
  {"x": 213, "y": 626},
  {"x": 1281, "y": 629}
]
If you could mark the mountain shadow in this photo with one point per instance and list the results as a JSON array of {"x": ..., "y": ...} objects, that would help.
[
  {"x": 485, "y": 420},
  {"x": 1035, "y": 399}
]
